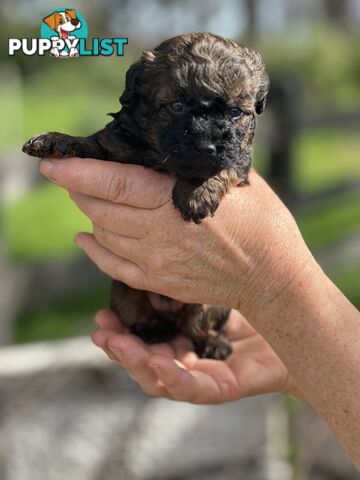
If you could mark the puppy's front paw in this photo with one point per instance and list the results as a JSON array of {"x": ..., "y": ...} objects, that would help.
[
  {"x": 52, "y": 144},
  {"x": 194, "y": 203},
  {"x": 39, "y": 145}
]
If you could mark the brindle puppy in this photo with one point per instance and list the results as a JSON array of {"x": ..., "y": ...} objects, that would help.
[{"x": 188, "y": 110}]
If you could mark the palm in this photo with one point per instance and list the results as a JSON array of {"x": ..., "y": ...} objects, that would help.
[{"x": 174, "y": 371}]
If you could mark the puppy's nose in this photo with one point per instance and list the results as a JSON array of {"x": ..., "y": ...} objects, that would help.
[
  {"x": 207, "y": 149},
  {"x": 75, "y": 22}
]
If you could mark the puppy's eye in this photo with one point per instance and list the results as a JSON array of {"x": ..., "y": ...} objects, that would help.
[
  {"x": 61, "y": 20},
  {"x": 68, "y": 19},
  {"x": 235, "y": 112},
  {"x": 177, "y": 107}
]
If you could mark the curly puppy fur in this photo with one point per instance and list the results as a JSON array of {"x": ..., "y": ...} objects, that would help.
[{"x": 188, "y": 110}]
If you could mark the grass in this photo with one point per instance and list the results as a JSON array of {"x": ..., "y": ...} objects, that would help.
[
  {"x": 325, "y": 158},
  {"x": 330, "y": 220},
  {"x": 347, "y": 280},
  {"x": 42, "y": 224}
]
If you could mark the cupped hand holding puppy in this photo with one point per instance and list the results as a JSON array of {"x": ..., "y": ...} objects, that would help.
[{"x": 174, "y": 371}]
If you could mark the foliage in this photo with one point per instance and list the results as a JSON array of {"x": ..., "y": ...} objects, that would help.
[
  {"x": 347, "y": 280},
  {"x": 325, "y": 158},
  {"x": 325, "y": 62},
  {"x": 330, "y": 220}
]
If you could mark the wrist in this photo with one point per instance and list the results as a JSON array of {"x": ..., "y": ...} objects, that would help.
[{"x": 277, "y": 276}]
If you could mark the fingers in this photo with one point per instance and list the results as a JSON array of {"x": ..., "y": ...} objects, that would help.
[
  {"x": 118, "y": 268},
  {"x": 149, "y": 364},
  {"x": 191, "y": 386},
  {"x": 107, "y": 320},
  {"x": 173, "y": 370},
  {"x": 119, "y": 183},
  {"x": 127, "y": 248},
  {"x": 121, "y": 219},
  {"x": 183, "y": 350},
  {"x": 132, "y": 354}
]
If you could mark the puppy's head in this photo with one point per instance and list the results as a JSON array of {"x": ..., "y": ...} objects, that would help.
[
  {"x": 63, "y": 22},
  {"x": 194, "y": 97}
]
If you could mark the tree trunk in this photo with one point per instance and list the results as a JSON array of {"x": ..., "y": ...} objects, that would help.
[{"x": 251, "y": 29}]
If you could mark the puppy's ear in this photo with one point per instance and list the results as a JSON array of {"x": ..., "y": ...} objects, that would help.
[
  {"x": 132, "y": 81},
  {"x": 136, "y": 84},
  {"x": 71, "y": 13},
  {"x": 260, "y": 105},
  {"x": 51, "y": 20},
  {"x": 263, "y": 90},
  {"x": 256, "y": 66}
]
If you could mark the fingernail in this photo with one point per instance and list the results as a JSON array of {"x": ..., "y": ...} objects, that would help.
[
  {"x": 47, "y": 168},
  {"x": 179, "y": 364}
]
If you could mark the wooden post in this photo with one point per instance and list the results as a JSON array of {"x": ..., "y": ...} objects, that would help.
[
  {"x": 251, "y": 30},
  {"x": 337, "y": 12},
  {"x": 283, "y": 100}
]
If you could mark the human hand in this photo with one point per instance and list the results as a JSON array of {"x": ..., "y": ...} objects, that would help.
[
  {"x": 243, "y": 257},
  {"x": 250, "y": 256},
  {"x": 173, "y": 370}
]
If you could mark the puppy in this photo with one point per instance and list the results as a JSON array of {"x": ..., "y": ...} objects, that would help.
[
  {"x": 188, "y": 110},
  {"x": 63, "y": 23}
]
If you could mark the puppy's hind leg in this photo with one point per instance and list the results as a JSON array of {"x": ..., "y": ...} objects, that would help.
[
  {"x": 216, "y": 346},
  {"x": 140, "y": 317},
  {"x": 155, "y": 330},
  {"x": 205, "y": 329}
]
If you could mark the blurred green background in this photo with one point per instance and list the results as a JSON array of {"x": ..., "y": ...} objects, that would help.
[{"x": 307, "y": 144}]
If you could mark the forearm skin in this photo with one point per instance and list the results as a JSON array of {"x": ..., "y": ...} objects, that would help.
[{"x": 315, "y": 330}]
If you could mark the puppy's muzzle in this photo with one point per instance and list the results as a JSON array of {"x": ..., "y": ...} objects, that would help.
[
  {"x": 200, "y": 161},
  {"x": 207, "y": 149}
]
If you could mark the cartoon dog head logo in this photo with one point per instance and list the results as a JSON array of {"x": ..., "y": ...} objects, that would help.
[
  {"x": 67, "y": 26},
  {"x": 63, "y": 22}
]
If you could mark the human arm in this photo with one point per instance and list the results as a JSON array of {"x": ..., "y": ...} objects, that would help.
[{"x": 249, "y": 256}]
